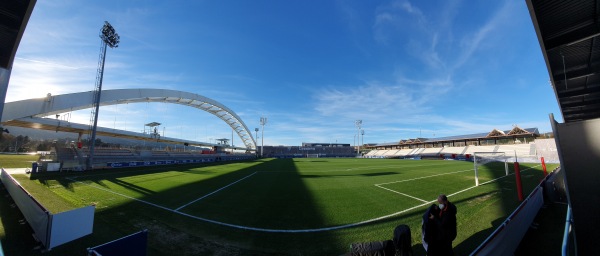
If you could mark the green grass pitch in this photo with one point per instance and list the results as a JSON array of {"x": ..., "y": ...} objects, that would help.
[{"x": 314, "y": 206}]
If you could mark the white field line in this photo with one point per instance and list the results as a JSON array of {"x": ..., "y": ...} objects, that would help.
[
  {"x": 213, "y": 192},
  {"x": 123, "y": 195},
  {"x": 390, "y": 166},
  {"x": 391, "y": 190},
  {"x": 360, "y": 168},
  {"x": 294, "y": 230},
  {"x": 425, "y": 177},
  {"x": 397, "y": 192}
]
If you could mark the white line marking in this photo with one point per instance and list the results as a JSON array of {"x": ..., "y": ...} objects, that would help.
[
  {"x": 401, "y": 193},
  {"x": 123, "y": 195},
  {"x": 213, "y": 192},
  {"x": 390, "y": 166},
  {"x": 425, "y": 177},
  {"x": 294, "y": 230}
]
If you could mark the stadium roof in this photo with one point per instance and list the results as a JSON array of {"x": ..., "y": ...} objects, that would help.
[
  {"x": 14, "y": 15},
  {"x": 494, "y": 134},
  {"x": 568, "y": 32}
]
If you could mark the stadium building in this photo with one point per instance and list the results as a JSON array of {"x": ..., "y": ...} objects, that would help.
[
  {"x": 524, "y": 144},
  {"x": 310, "y": 150}
]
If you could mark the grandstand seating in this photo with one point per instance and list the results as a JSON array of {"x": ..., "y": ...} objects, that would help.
[
  {"x": 389, "y": 153},
  {"x": 452, "y": 150},
  {"x": 431, "y": 151},
  {"x": 523, "y": 151},
  {"x": 519, "y": 149},
  {"x": 180, "y": 153},
  {"x": 65, "y": 154},
  {"x": 472, "y": 149},
  {"x": 160, "y": 153},
  {"x": 109, "y": 152},
  {"x": 403, "y": 152},
  {"x": 371, "y": 153},
  {"x": 72, "y": 158}
]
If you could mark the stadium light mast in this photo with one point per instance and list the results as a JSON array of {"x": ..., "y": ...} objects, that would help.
[
  {"x": 109, "y": 37},
  {"x": 263, "y": 121},
  {"x": 362, "y": 134},
  {"x": 256, "y": 140},
  {"x": 358, "y": 123}
]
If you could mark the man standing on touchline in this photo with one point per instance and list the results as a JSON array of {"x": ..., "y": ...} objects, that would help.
[{"x": 447, "y": 224}]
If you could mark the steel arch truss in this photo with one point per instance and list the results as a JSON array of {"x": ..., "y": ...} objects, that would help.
[{"x": 57, "y": 104}]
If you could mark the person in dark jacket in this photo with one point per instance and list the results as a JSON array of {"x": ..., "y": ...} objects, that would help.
[
  {"x": 429, "y": 229},
  {"x": 447, "y": 225},
  {"x": 402, "y": 241}
]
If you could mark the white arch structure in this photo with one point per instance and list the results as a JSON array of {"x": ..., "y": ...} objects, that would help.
[{"x": 57, "y": 104}]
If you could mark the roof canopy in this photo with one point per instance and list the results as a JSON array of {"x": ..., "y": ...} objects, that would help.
[
  {"x": 494, "y": 134},
  {"x": 568, "y": 32}
]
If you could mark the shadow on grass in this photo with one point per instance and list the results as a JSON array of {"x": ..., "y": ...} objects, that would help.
[
  {"x": 245, "y": 199},
  {"x": 507, "y": 203},
  {"x": 15, "y": 234},
  {"x": 174, "y": 234}
]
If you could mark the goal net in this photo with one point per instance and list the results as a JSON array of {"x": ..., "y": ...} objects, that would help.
[
  {"x": 312, "y": 155},
  {"x": 491, "y": 160}
]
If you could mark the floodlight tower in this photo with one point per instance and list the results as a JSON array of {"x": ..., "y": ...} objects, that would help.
[
  {"x": 109, "y": 37},
  {"x": 256, "y": 140},
  {"x": 263, "y": 121},
  {"x": 358, "y": 123},
  {"x": 362, "y": 134}
]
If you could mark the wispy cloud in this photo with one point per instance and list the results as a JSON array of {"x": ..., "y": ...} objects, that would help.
[
  {"x": 374, "y": 101},
  {"x": 58, "y": 65},
  {"x": 472, "y": 41}
]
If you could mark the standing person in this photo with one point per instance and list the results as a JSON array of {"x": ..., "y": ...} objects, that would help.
[
  {"x": 430, "y": 230},
  {"x": 447, "y": 224}
]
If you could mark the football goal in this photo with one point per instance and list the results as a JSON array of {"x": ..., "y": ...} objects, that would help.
[{"x": 489, "y": 159}]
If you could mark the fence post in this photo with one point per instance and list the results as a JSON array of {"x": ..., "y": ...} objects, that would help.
[
  {"x": 544, "y": 166},
  {"x": 519, "y": 185}
]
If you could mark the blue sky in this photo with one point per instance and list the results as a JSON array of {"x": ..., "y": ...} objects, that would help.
[{"x": 406, "y": 68}]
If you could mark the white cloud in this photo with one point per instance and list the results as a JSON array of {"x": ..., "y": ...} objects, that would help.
[{"x": 472, "y": 41}]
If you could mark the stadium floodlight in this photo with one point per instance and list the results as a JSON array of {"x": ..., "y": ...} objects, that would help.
[
  {"x": 263, "y": 121},
  {"x": 358, "y": 123},
  {"x": 256, "y": 140},
  {"x": 109, "y": 38},
  {"x": 362, "y": 133}
]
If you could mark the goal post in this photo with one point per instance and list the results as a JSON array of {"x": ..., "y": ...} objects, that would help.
[
  {"x": 312, "y": 155},
  {"x": 482, "y": 158}
]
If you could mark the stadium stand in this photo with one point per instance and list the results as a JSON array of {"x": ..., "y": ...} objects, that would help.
[
  {"x": 310, "y": 150},
  {"x": 524, "y": 152},
  {"x": 71, "y": 158},
  {"x": 180, "y": 153}
]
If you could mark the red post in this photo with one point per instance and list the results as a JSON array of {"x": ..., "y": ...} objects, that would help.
[
  {"x": 519, "y": 185},
  {"x": 544, "y": 167}
]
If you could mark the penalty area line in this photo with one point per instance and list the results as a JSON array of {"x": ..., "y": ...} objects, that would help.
[
  {"x": 425, "y": 177},
  {"x": 391, "y": 190}
]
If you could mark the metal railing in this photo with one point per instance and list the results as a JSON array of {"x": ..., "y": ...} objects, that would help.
[{"x": 567, "y": 234}]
